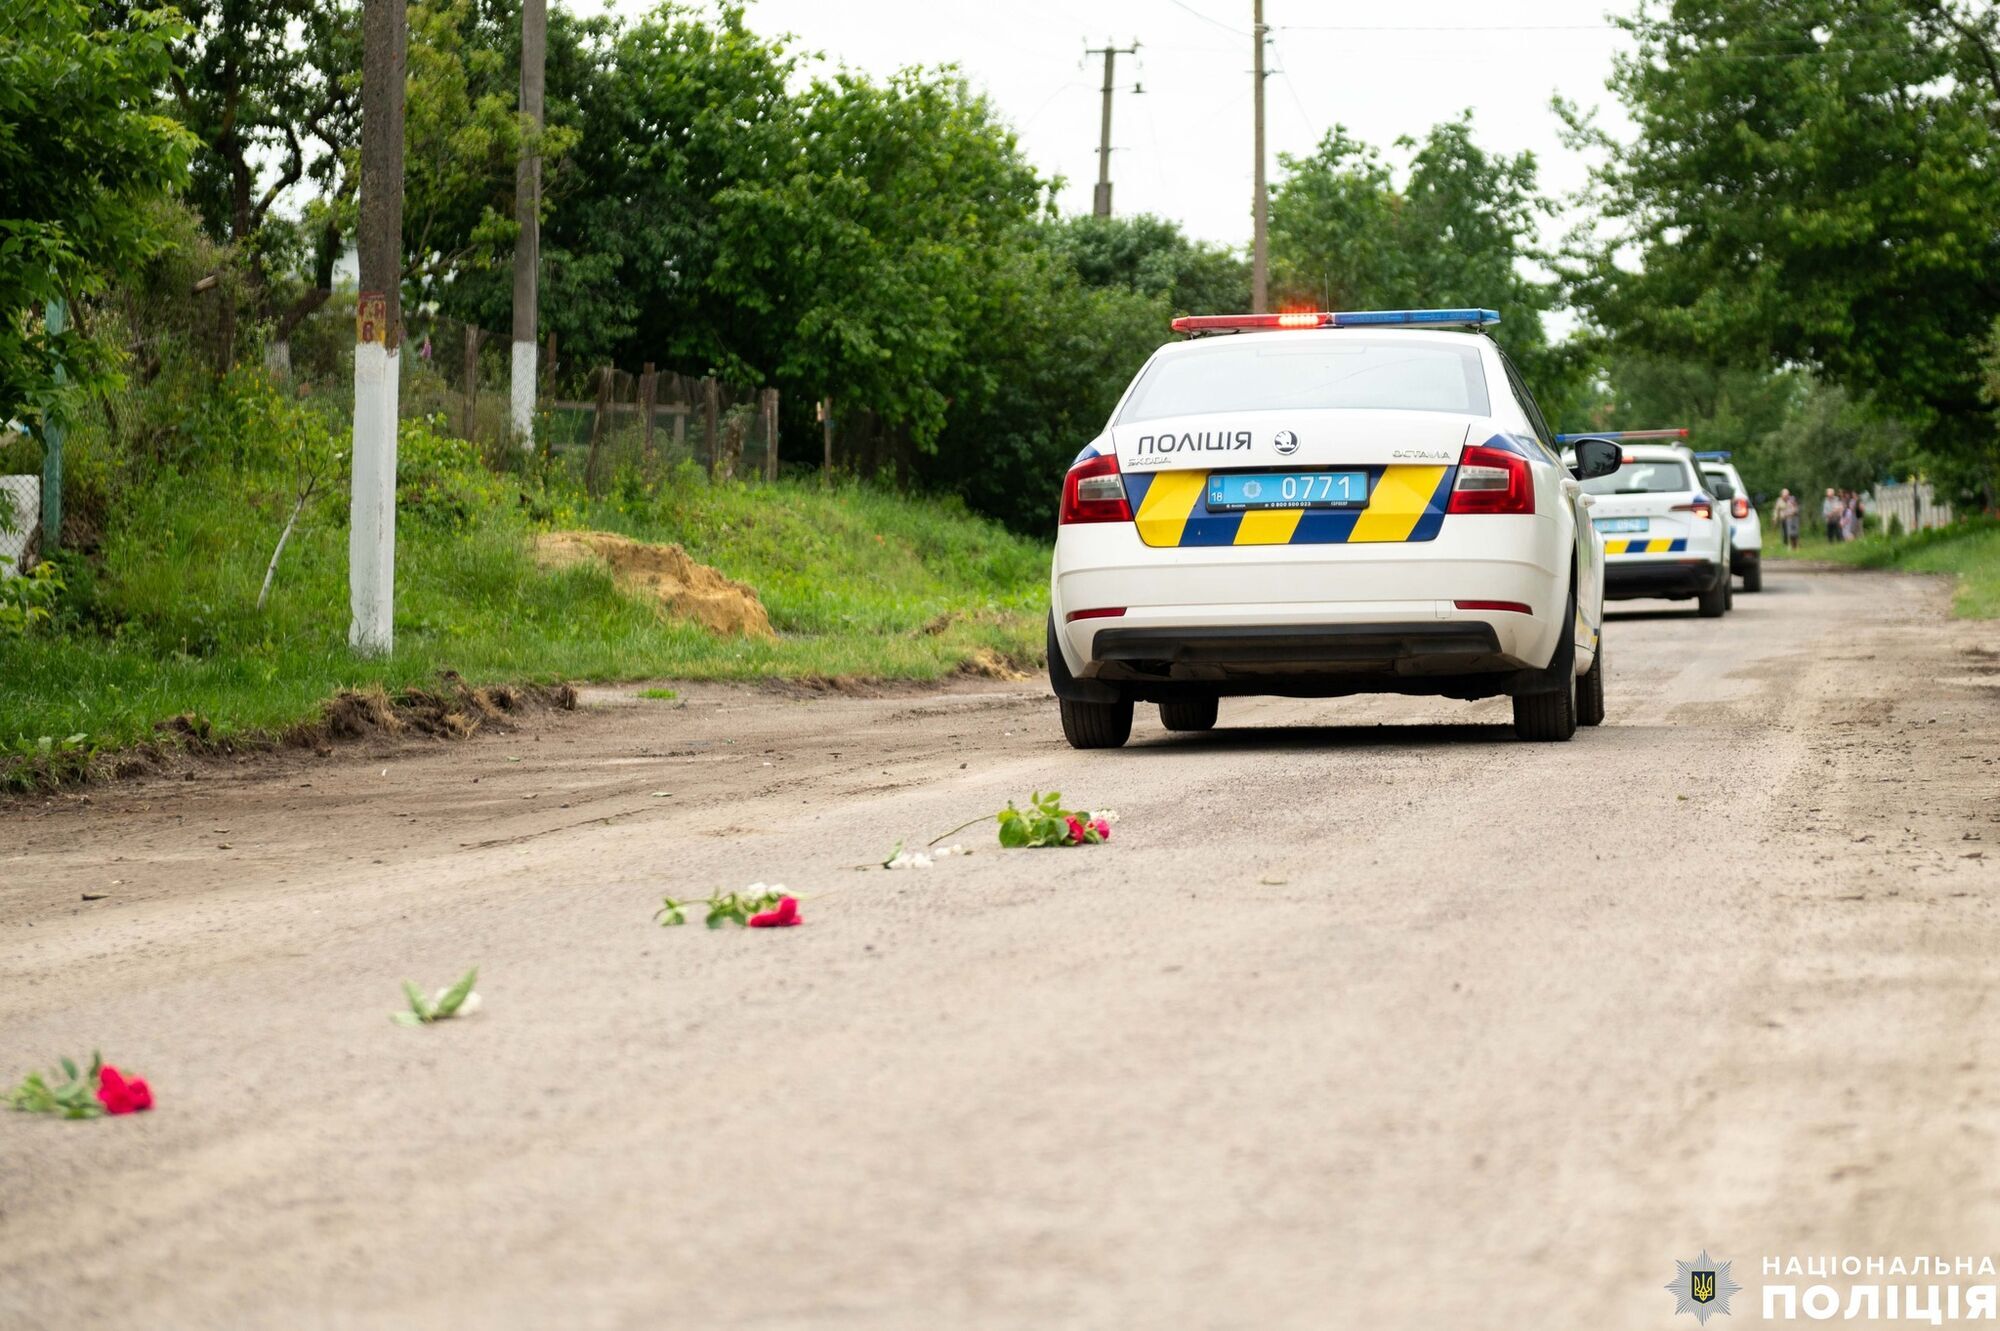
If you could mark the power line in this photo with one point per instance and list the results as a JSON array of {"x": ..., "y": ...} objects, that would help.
[{"x": 1181, "y": 4}]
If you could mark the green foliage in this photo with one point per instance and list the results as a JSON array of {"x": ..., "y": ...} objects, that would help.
[
  {"x": 1045, "y": 822},
  {"x": 84, "y": 156},
  {"x": 1151, "y": 256},
  {"x": 28, "y": 601},
  {"x": 423, "y": 1011},
  {"x": 1456, "y": 232},
  {"x": 720, "y": 907},
  {"x": 73, "y": 1096},
  {"x": 1812, "y": 184}
]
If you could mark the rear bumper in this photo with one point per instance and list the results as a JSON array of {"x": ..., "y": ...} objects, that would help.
[
  {"x": 1675, "y": 579},
  {"x": 1741, "y": 560},
  {"x": 1462, "y": 660}
]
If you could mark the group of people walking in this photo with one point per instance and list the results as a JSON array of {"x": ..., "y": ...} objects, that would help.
[{"x": 1841, "y": 510}]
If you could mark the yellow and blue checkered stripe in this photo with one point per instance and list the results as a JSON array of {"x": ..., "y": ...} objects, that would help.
[
  {"x": 1641, "y": 546},
  {"x": 1170, "y": 508}
]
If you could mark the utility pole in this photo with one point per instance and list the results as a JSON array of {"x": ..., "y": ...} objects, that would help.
[
  {"x": 55, "y": 318},
  {"x": 378, "y": 330},
  {"x": 528, "y": 214},
  {"x": 1101, "y": 206},
  {"x": 1260, "y": 243}
]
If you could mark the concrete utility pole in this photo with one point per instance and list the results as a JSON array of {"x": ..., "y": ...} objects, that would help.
[
  {"x": 1101, "y": 207},
  {"x": 56, "y": 319},
  {"x": 528, "y": 213},
  {"x": 378, "y": 330},
  {"x": 1260, "y": 243}
]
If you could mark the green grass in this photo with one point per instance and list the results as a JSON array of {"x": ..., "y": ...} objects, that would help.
[
  {"x": 1969, "y": 549},
  {"x": 163, "y": 620},
  {"x": 659, "y": 695}
]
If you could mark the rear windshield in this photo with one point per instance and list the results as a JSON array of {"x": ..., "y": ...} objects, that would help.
[
  {"x": 1338, "y": 370},
  {"x": 1643, "y": 478}
]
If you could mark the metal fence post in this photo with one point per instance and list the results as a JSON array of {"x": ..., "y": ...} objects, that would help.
[{"x": 55, "y": 318}]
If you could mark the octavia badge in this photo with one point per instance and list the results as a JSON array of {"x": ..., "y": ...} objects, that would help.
[{"x": 1286, "y": 443}]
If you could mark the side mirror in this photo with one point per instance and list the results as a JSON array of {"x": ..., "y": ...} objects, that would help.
[
  {"x": 1722, "y": 490},
  {"x": 1597, "y": 457}
]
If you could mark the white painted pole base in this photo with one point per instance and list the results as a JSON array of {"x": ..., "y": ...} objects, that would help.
[
  {"x": 371, "y": 538},
  {"x": 523, "y": 387}
]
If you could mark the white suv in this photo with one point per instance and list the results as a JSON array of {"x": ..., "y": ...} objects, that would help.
[
  {"x": 1746, "y": 528},
  {"x": 1665, "y": 529}
]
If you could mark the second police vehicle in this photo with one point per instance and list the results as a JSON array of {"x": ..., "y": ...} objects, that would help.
[
  {"x": 1746, "y": 528},
  {"x": 1665, "y": 526},
  {"x": 1319, "y": 504}
]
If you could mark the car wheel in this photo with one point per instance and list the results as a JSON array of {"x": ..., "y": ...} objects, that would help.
[
  {"x": 1551, "y": 715},
  {"x": 1590, "y": 692},
  {"x": 1190, "y": 713},
  {"x": 1753, "y": 573},
  {"x": 1096, "y": 725},
  {"x": 1715, "y": 599}
]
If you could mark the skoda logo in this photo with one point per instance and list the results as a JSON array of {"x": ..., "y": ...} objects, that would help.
[{"x": 1286, "y": 443}]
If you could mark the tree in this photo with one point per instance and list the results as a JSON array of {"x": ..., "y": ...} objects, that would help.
[
  {"x": 1457, "y": 232},
  {"x": 72, "y": 93},
  {"x": 1812, "y": 184},
  {"x": 1152, "y": 256}
]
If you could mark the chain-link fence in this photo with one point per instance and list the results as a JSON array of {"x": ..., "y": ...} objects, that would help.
[{"x": 20, "y": 520}]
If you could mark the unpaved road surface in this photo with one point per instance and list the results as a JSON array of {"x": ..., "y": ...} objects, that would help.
[{"x": 1368, "y": 1015}]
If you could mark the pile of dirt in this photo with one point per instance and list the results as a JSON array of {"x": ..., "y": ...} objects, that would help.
[
  {"x": 985, "y": 663},
  {"x": 453, "y": 710},
  {"x": 663, "y": 574}
]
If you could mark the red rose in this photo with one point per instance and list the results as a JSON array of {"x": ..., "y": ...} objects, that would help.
[
  {"x": 1103, "y": 830},
  {"x": 787, "y": 913},
  {"x": 1076, "y": 831},
  {"x": 119, "y": 1096}
]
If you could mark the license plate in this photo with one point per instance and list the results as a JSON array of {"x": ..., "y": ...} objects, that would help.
[
  {"x": 1621, "y": 524},
  {"x": 1287, "y": 489}
]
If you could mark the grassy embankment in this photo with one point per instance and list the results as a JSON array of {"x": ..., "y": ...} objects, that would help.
[
  {"x": 161, "y": 620},
  {"x": 1969, "y": 549}
]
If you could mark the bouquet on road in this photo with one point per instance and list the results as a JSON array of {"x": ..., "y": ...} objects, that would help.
[{"x": 102, "y": 1090}]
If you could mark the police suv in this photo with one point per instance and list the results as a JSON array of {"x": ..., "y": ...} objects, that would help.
[
  {"x": 1321, "y": 504},
  {"x": 1665, "y": 526},
  {"x": 1746, "y": 526}
]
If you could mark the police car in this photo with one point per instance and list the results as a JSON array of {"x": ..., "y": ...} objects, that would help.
[
  {"x": 1665, "y": 526},
  {"x": 1321, "y": 504},
  {"x": 1746, "y": 527}
]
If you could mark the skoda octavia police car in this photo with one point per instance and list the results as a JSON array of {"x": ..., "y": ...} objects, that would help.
[
  {"x": 1665, "y": 526},
  {"x": 1312, "y": 505},
  {"x": 1746, "y": 528}
]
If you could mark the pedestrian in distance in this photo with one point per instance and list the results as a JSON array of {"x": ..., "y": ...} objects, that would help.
[
  {"x": 1829, "y": 511},
  {"x": 1786, "y": 514}
]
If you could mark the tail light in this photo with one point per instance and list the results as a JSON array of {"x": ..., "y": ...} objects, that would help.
[
  {"x": 1094, "y": 492},
  {"x": 1701, "y": 508},
  {"x": 1739, "y": 507},
  {"x": 1492, "y": 480}
]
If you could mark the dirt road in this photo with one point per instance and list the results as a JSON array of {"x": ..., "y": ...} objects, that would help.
[{"x": 1368, "y": 1015}]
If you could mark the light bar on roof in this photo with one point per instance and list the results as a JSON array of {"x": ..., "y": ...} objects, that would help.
[
  {"x": 1723, "y": 456},
  {"x": 1239, "y": 323},
  {"x": 1621, "y": 434}
]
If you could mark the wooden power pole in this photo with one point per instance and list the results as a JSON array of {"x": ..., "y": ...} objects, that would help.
[
  {"x": 1260, "y": 243},
  {"x": 1101, "y": 204},
  {"x": 528, "y": 214},
  {"x": 378, "y": 330}
]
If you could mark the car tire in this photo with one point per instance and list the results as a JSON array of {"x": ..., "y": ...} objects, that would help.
[
  {"x": 1096, "y": 725},
  {"x": 1190, "y": 714},
  {"x": 1551, "y": 715},
  {"x": 1714, "y": 600},
  {"x": 1590, "y": 691},
  {"x": 1753, "y": 573}
]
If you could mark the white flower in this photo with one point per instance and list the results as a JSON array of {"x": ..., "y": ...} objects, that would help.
[
  {"x": 910, "y": 859},
  {"x": 1108, "y": 815},
  {"x": 945, "y": 852},
  {"x": 465, "y": 1009}
]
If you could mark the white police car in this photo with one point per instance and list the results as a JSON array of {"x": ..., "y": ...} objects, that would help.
[
  {"x": 1312, "y": 505},
  {"x": 1665, "y": 527},
  {"x": 1746, "y": 526}
]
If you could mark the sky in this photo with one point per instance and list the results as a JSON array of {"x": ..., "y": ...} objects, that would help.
[{"x": 1183, "y": 147}]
